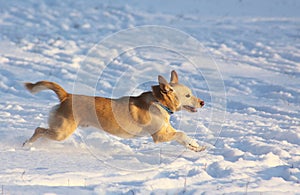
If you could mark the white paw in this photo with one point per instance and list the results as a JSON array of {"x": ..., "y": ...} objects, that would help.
[{"x": 193, "y": 145}]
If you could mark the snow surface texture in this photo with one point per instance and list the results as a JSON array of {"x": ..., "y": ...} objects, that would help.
[{"x": 255, "y": 45}]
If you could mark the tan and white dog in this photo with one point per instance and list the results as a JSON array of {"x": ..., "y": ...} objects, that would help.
[{"x": 126, "y": 117}]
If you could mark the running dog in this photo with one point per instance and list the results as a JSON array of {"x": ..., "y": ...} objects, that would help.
[{"x": 126, "y": 117}]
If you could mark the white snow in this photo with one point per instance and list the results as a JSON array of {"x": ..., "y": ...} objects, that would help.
[{"x": 241, "y": 56}]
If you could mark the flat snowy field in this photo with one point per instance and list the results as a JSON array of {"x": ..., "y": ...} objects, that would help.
[{"x": 241, "y": 57}]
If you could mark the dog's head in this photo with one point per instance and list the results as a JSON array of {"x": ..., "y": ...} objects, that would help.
[{"x": 176, "y": 96}]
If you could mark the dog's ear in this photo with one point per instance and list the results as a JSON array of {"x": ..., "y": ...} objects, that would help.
[
  {"x": 174, "y": 77},
  {"x": 164, "y": 85}
]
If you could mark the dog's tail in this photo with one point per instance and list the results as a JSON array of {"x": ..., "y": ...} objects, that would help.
[{"x": 45, "y": 85}]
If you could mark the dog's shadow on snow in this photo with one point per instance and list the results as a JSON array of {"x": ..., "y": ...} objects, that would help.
[{"x": 137, "y": 154}]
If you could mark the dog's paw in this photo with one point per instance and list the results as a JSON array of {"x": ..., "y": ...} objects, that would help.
[{"x": 193, "y": 145}]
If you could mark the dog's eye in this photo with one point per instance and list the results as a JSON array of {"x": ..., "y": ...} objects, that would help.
[{"x": 188, "y": 95}]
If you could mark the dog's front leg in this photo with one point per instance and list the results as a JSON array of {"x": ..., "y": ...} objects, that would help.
[
  {"x": 188, "y": 142},
  {"x": 169, "y": 134}
]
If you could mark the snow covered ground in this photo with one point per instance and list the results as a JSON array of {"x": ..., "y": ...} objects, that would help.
[{"x": 242, "y": 57}]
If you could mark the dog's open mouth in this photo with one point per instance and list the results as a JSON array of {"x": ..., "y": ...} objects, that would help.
[{"x": 190, "y": 108}]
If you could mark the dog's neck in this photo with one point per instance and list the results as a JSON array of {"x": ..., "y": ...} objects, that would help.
[
  {"x": 166, "y": 101},
  {"x": 166, "y": 109}
]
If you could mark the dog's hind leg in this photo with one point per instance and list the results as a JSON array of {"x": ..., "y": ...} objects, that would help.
[
  {"x": 39, "y": 132},
  {"x": 53, "y": 134}
]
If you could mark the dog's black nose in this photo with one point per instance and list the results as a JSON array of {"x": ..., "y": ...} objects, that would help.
[{"x": 202, "y": 103}]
